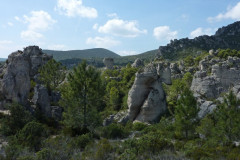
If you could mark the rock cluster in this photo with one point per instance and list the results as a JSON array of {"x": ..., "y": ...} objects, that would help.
[
  {"x": 138, "y": 63},
  {"x": 15, "y": 80},
  {"x": 224, "y": 38},
  {"x": 146, "y": 98},
  {"x": 108, "y": 62},
  {"x": 214, "y": 77}
]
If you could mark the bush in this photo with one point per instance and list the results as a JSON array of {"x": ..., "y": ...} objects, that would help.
[
  {"x": 14, "y": 122},
  {"x": 31, "y": 135},
  {"x": 138, "y": 126},
  {"x": 104, "y": 148},
  {"x": 114, "y": 131},
  {"x": 82, "y": 141}
]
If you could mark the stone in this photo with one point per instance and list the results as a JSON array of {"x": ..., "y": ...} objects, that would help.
[
  {"x": 164, "y": 72},
  {"x": 41, "y": 100},
  {"x": 16, "y": 80},
  {"x": 206, "y": 108},
  {"x": 138, "y": 63},
  {"x": 146, "y": 98},
  {"x": 108, "y": 62},
  {"x": 19, "y": 68}
]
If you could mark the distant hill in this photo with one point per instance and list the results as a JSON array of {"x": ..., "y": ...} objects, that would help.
[
  {"x": 225, "y": 37},
  {"x": 146, "y": 56},
  {"x": 82, "y": 54},
  {"x": 3, "y": 59}
]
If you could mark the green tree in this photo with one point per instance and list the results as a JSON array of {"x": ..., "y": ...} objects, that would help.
[
  {"x": 81, "y": 97},
  {"x": 115, "y": 100},
  {"x": 227, "y": 119},
  {"x": 187, "y": 78},
  {"x": 186, "y": 114},
  {"x": 31, "y": 135},
  {"x": 52, "y": 74}
]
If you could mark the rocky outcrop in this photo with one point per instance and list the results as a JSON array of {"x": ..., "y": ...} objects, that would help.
[
  {"x": 224, "y": 38},
  {"x": 223, "y": 75},
  {"x": 19, "y": 69},
  {"x": 41, "y": 101},
  {"x": 146, "y": 98},
  {"x": 108, "y": 62},
  {"x": 138, "y": 63}
]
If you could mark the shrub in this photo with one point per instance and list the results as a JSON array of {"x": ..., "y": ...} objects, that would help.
[
  {"x": 82, "y": 141},
  {"x": 104, "y": 148},
  {"x": 138, "y": 126},
  {"x": 14, "y": 122},
  {"x": 114, "y": 131},
  {"x": 31, "y": 135}
]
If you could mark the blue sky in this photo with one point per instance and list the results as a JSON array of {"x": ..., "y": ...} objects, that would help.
[{"x": 124, "y": 26}]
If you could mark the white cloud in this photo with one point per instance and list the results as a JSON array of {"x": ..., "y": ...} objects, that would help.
[
  {"x": 31, "y": 35},
  {"x": 200, "y": 31},
  {"x": 95, "y": 26},
  {"x": 119, "y": 27},
  {"x": 38, "y": 21},
  {"x": 231, "y": 13},
  {"x": 17, "y": 18},
  {"x": 163, "y": 33},
  {"x": 112, "y": 15},
  {"x": 102, "y": 42},
  {"x": 73, "y": 8},
  {"x": 127, "y": 53},
  {"x": 10, "y": 24},
  {"x": 4, "y": 42}
]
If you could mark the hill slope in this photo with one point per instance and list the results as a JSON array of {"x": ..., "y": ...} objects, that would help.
[
  {"x": 82, "y": 54},
  {"x": 3, "y": 59},
  {"x": 225, "y": 37}
]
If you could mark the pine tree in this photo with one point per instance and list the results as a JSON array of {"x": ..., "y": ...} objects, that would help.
[
  {"x": 81, "y": 96},
  {"x": 186, "y": 114},
  {"x": 52, "y": 74}
]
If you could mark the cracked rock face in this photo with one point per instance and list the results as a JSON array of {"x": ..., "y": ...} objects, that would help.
[
  {"x": 19, "y": 69},
  {"x": 224, "y": 75},
  {"x": 147, "y": 99}
]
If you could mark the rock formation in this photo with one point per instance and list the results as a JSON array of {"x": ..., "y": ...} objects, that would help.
[
  {"x": 15, "y": 82},
  {"x": 146, "y": 98},
  {"x": 108, "y": 62},
  {"x": 138, "y": 63},
  {"x": 224, "y": 38},
  {"x": 19, "y": 69}
]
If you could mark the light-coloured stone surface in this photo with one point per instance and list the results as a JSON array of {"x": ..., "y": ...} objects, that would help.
[
  {"x": 108, "y": 62},
  {"x": 146, "y": 98},
  {"x": 20, "y": 67},
  {"x": 138, "y": 63}
]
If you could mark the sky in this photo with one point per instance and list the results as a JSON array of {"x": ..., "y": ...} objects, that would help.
[{"x": 126, "y": 27}]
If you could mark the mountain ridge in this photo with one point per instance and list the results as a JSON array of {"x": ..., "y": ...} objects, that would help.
[{"x": 87, "y": 53}]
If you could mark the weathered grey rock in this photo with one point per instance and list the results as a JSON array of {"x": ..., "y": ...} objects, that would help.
[
  {"x": 138, "y": 63},
  {"x": 120, "y": 117},
  {"x": 17, "y": 72},
  {"x": 206, "y": 108},
  {"x": 41, "y": 100},
  {"x": 146, "y": 98},
  {"x": 154, "y": 106},
  {"x": 211, "y": 52},
  {"x": 16, "y": 80},
  {"x": 108, "y": 62},
  {"x": 164, "y": 72},
  {"x": 223, "y": 76}
]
